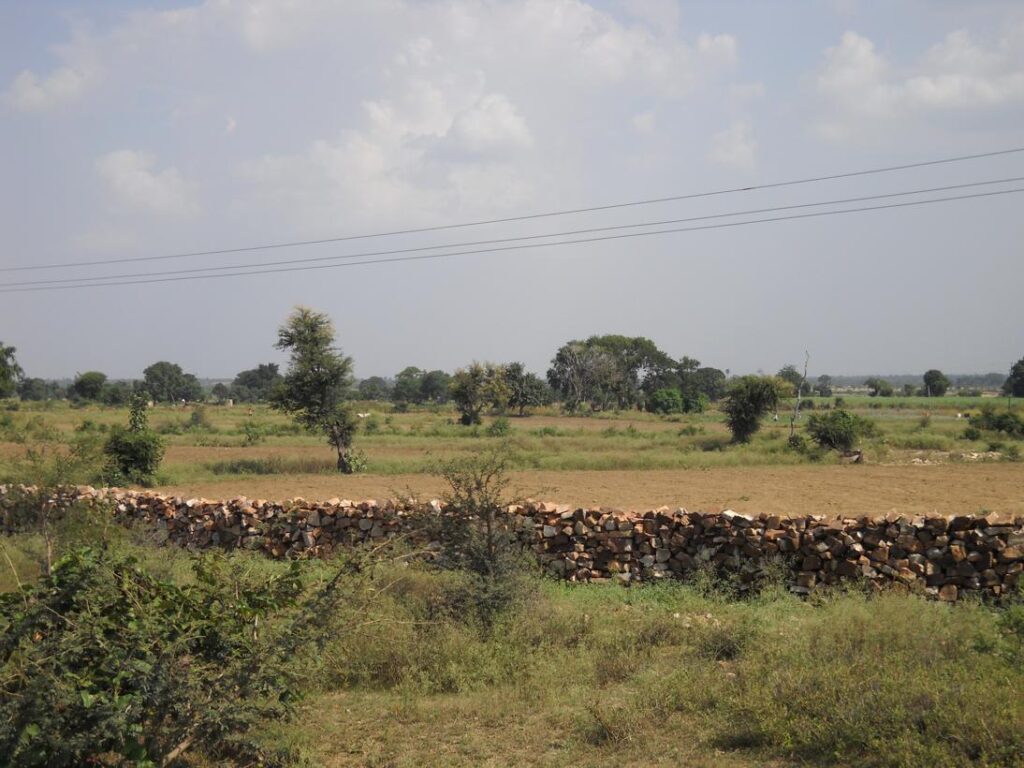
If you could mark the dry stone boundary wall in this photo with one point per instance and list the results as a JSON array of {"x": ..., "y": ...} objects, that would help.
[{"x": 939, "y": 556}]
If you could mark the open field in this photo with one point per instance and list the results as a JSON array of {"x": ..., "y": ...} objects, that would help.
[
  {"x": 415, "y": 674},
  {"x": 423, "y": 666},
  {"x": 918, "y": 462}
]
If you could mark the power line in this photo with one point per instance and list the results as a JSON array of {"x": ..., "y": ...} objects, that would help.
[
  {"x": 525, "y": 217},
  {"x": 523, "y": 246},
  {"x": 520, "y": 238}
]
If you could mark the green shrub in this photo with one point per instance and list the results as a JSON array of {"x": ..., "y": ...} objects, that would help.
[
  {"x": 838, "y": 430},
  {"x": 254, "y": 433},
  {"x": 1008, "y": 422},
  {"x": 199, "y": 420},
  {"x": 972, "y": 433},
  {"x": 371, "y": 425},
  {"x": 102, "y": 663},
  {"x": 666, "y": 400},
  {"x": 499, "y": 427},
  {"x": 134, "y": 457},
  {"x": 133, "y": 453}
]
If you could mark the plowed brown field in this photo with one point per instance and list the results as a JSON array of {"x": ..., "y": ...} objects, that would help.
[{"x": 847, "y": 490}]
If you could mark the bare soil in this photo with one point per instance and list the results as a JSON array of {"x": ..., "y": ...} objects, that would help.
[{"x": 829, "y": 490}]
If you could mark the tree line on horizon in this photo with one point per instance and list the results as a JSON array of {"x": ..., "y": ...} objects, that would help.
[{"x": 598, "y": 373}]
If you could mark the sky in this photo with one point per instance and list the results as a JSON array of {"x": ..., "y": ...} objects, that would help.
[{"x": 132, "y": 130}]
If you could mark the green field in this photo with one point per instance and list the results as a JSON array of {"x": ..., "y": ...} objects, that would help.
[
  {"x": 212, "y": 443},
  {"x": 665, "y": 675},
  {"x": 415, "y": 672}
]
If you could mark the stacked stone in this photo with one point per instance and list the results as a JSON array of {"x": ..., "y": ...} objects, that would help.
[
  {"x": 935, "y": 554},
  {"x": 939, "y": 556}
]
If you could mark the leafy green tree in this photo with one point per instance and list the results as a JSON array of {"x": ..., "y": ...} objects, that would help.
[
  {"x": 168, "y": 383},
  {"x": 1014, "y": 384},
  {"x": 256, "y": 384},
  {"x": 117, "y": 393},
  {"x": 319, "y": 377},
  {"x": 477, "y": 388},
  {"x": 823, "y": 386},
  {"x": 878, "y": 387},
  {"x": 526, "y": 390},
  {"x": 374, "y": 388},
  {"x": 935, "y": 383},
  {"x": 38, "y": 389},
  {"x": 748, "y": 400},
  {"x": 789, "y": 373},
  {"x": 434, "y": 387},
  {"x": 10, "y": 371},
  {"x": 88, "y": 385},
  {"x": 407, "y": 385},
  {"x": 609, "y": 371},
  {"x": 221, "y": 391}
]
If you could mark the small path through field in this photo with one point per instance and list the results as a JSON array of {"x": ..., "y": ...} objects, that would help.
[{"x": 847, "y": 490}]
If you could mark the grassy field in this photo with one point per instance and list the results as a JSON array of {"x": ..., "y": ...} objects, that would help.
[
  {"x": 416, "y": 673},
  {"x": 919, "y": 459},
  {"x": 663, "y": 675}
]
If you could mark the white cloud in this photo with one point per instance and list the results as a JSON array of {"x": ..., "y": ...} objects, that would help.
[
  {"x": 493, "y": 122},
  {"x": 644, "y": 122},
  {"x": 734, "y": 147},
  {"x": 136, "y": 185},
  {"x": 30, "y": 92},
  {"x": 864, "y": 89},
  {"x": 718, "y": 48},
  {"x": 663, "y": 15}
]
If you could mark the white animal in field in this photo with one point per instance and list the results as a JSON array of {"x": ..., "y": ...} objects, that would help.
[{"x": 364, "y": 415}]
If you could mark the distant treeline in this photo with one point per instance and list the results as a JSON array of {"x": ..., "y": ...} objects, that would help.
[
  {"x": 596, "y": 373},
  {"x": 986, "y": 381}
]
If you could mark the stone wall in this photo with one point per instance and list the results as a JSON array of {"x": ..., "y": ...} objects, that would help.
[{"x": 939, "y": 556}]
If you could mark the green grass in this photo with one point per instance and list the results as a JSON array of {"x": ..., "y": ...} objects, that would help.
[
  {"x": 661, "y": 674},
  {"x": 410, "y": 443}
]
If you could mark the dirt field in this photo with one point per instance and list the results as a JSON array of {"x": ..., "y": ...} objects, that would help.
[{"x": 847, "y": 490}]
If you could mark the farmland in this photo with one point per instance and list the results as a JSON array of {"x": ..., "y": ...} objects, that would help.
[
  {"x": 917, "y": 461},
  {"x": 418, "y": 665}
]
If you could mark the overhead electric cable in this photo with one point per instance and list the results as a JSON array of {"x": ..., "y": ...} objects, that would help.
[
  {"x": 522, "y": 246},
  {"x": 524, "y": 217},
  {"x": 520, "y": 238}
]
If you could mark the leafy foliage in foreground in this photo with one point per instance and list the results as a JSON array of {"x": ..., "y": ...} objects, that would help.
[{"x": 103, "y": 663}]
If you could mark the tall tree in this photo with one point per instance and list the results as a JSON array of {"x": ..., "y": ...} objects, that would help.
[
  {"x": 10, "y": 371},
  {"x": 793, "y": 375},
  {"x": 1014, "y": 385},
  {"x": 878, "y": 387},
  {"x": 748, "y": 400},
  {"x": 89, "y": 385},
  {"x": 611, "y": 370},
  {"x": 407, "y": 385},
  {"x": 434, "y": 387},
  {"x": 319, "y": 377},
  {"x": 935, "y": 383},
  {"x": 477, "y": 388},
  {"x": 256, "y": 384},
  {"x": 525, "y": 389},
  {"x": 374, "y": 388},
  {"x": 167, "y": 382}
]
